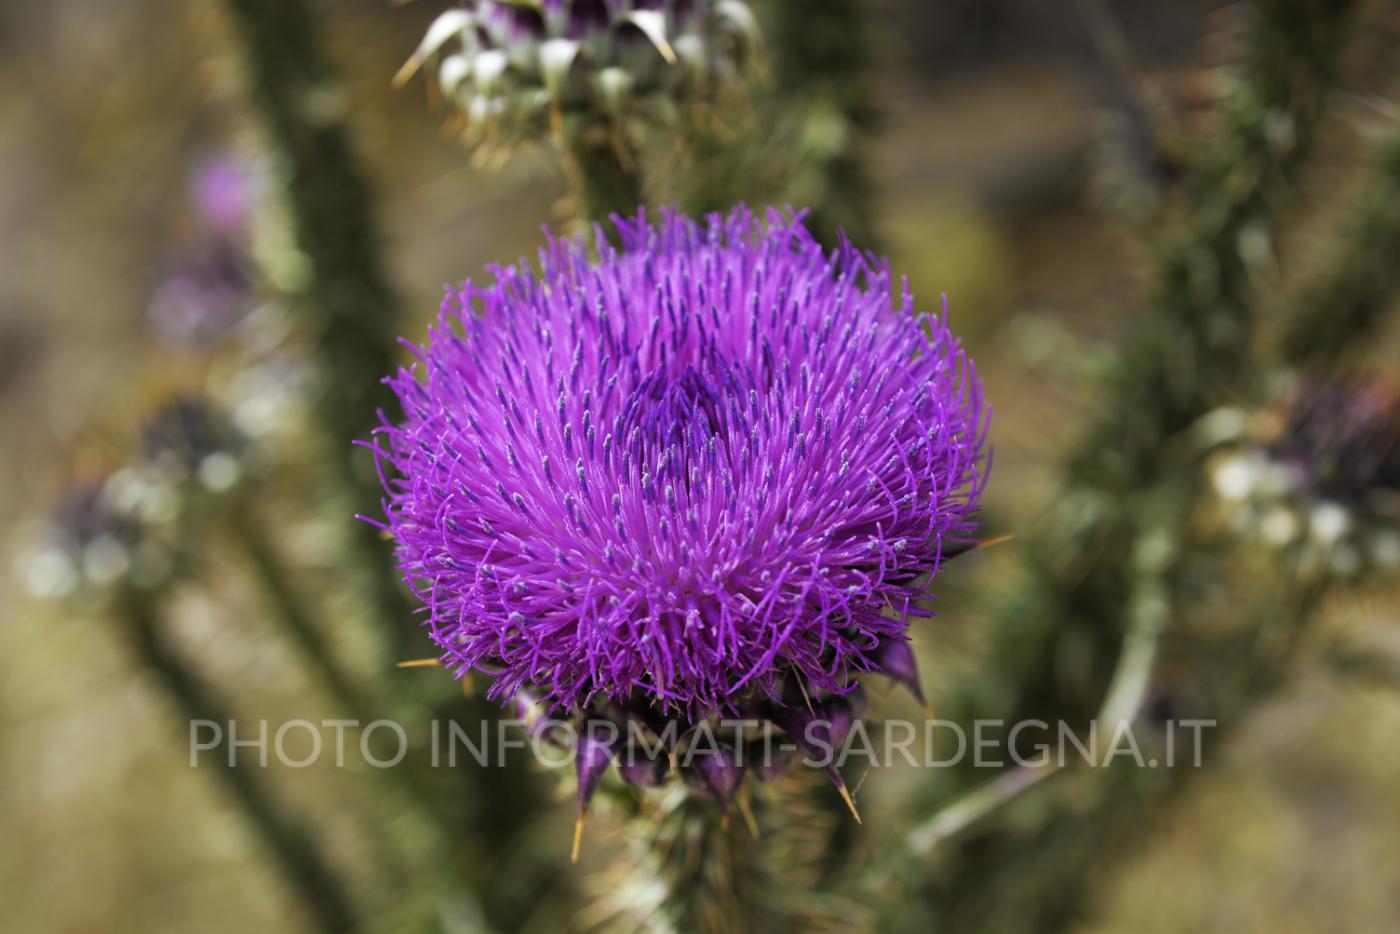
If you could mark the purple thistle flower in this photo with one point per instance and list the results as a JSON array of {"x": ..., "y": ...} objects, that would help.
[
  {"x": 223, "y": 189},
  {"x": 716, "y": 463},
  {"x": 210, "y": 292}
]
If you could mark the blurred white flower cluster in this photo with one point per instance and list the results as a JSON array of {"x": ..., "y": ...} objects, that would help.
[{"x": 1317, "y": 476}]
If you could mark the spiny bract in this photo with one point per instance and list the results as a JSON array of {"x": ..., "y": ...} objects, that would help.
[{"x": 715, "y": 463}]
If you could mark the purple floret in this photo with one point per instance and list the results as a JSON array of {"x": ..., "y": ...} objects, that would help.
[{"x": 713, "y": 463}]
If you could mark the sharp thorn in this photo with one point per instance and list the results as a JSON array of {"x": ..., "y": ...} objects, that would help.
[
  {"x": 408, "y": 70},
  {"x": 749, "y": 818},
  {"x": 805, "y": 698},
  {"x": 850, "y": 802},
  {"x": 578, "y": 837},
  {"x": 963, "y": 548}
]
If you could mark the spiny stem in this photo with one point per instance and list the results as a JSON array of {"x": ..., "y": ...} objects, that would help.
[
  {"x": 1346, "y": 304},
  {"x": 1128, "y": 502},
  {"x": 348, "y": 309},
  {"x": 308, "y": 875}
]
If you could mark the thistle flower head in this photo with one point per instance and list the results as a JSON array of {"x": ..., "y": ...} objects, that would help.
[
  {"x": 510, "y": 67},
  {"x": 714, "y": 466}
]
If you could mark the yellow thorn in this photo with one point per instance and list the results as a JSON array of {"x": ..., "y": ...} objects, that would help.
[
  {"x": 420, "y": 663},
  {"x": 468, "y": 687},
  {"x": 850, "y": 802},
  {"x": 998, "y": 540},
  {"x": 406, "y": 71},
  {"x": 928, "y": 711},
  {"x": 556, "y": 121},
  {"x": 749, "y": 818},
  {"x": 578, "y": 836},
  {"x": 724, "y": 823}
]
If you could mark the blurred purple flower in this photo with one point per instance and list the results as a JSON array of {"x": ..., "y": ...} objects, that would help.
[
  {"x": 205, "y": 296},
  {"x": 1341, "y": 439},
  {"x": 223, "y": 193},
  {"x": 709, "y": 467}
]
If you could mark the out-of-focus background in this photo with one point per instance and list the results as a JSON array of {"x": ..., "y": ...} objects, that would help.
[{"x": 1010, "y": 173}]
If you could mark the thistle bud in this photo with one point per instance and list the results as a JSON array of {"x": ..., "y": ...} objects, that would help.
[{"x": 514, "y": 69}]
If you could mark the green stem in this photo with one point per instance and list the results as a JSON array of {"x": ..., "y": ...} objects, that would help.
[
  {"x": 409, "y": 784},
  {"x": 952, "y": 819},
  {"x": 823, "y": 63},
  {"x": 307, "y": 874},
  {"x": 348, "y": 309},
  {"x": 1124, "y": 516},
  {"x": 607, "y": 178},
  {"x": 296, "y": 618},
  {"x": 1193, "y": 348}
]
